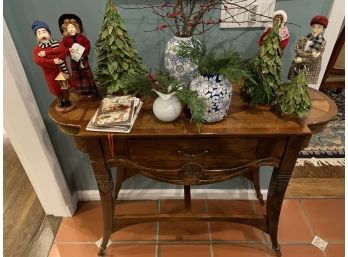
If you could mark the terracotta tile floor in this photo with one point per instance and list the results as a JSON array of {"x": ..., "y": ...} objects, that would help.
[{"x": 300, "y": 221}]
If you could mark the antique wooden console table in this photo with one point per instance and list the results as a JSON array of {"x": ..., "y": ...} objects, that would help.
[{"x": 177, "y": 153}]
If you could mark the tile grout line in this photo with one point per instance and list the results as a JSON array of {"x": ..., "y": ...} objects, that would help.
[
  {"x": 157, "y": 254},
  {"x": 209, "y": 230},
  {"x": 309, "y": 221},
  {"x": 187, "y": 242},
  {"x": 127, "y": 242},
  {"x": 314, "y": 233}
]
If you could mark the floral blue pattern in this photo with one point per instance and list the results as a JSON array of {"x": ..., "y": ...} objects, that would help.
[
  {"x": 217, "y": 93},
  {"x": 181, "y": 68}
]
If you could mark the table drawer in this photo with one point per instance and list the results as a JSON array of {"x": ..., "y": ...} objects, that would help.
[{"x": 175, "y": 152}]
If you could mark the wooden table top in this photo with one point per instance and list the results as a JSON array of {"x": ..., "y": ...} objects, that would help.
[{"x": 241, "y": 120}]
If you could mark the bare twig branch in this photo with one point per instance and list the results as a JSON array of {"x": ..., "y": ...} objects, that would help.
[
  {"x": 165, "y": 20},
  {"x": 187, "y": 15},
  {"x": 176, "y": 20},
  {"x": 192, "y": 7}
]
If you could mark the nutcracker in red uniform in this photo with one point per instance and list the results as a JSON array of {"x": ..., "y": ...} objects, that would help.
[
  {"x": 79, "y": 47},
  {"x": 281, "y": 17},
  {"x": 50, "y": 55}
]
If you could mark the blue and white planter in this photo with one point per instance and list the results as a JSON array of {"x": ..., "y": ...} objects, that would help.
[
  {"x": 179, "y": 67},
  {"x": 217, "y": 92}
]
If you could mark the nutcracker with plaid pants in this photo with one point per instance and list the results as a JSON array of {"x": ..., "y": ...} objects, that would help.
[{"x": 309, "y": 51}]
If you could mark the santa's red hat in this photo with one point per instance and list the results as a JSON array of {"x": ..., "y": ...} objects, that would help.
[{"x": 319, "y": 19}]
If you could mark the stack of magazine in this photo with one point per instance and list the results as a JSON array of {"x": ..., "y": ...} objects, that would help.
[{"x": 116, "y": 114}]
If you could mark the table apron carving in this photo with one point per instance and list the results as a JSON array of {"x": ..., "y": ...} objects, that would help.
[{"x": 193, "y": 173}]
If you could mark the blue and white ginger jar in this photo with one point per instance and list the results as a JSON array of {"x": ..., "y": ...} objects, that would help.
[
  {"x": 181, "y": 68},
  {"x": 217, "y": 92}
]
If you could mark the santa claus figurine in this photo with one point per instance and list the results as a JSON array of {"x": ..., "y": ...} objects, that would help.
[
  {"x": 79, "y": 47},
  {"x": 309, "y": 50},
  {"x": 281, "y": 17},
  {"x": 50, "y": 55}
]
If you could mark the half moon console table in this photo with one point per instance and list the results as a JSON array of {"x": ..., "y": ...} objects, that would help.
[{"x": 177, "y": 153}]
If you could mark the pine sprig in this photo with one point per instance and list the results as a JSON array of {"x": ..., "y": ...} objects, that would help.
[
  {"x": 193, "y": 50},
  {"x": 143, "y": 84},
  {"x": 195, "y": 104},
  {"x": 229, "y": 63},
  {"x": 136, "y": 83},
  {"x": 169, "y": 84}
]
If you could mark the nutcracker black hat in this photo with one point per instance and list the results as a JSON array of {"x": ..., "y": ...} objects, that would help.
[{"x": 69, "y": 16}]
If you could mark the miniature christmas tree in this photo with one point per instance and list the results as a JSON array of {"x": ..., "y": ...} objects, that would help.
[
  {"x": 266, "y": 68},
  {"x": 116, "y": 54},
  {"x": 294, "y": 99}
]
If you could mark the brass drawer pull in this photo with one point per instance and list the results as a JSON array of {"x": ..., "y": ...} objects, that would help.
[{"x": 192, "y": 155}]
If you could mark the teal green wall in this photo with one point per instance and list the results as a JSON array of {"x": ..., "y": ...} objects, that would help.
[{"x": 19, "y": 15}]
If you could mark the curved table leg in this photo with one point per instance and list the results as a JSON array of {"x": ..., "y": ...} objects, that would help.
[
  {"x": 278, "y": 184},
  {"x": 274, "y": 204},
  {"x": 105, "y": 185},
  {"x": 107, "y": 201}
]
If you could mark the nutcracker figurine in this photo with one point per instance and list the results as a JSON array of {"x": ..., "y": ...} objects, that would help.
[
  {"x": 50, "y": 55},
  {"x": 309, "y": 50},
  {"x": 281, "y": 17},
  {"x": 79, "y": 47}
]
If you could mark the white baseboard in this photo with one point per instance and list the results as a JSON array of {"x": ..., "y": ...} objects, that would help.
[{"x": 157, "y": 194}]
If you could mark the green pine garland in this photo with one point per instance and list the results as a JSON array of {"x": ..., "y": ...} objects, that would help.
[
  {"x": 195, "y": 104},
  {"x": 136, "y": 84},
  {"x": 294, "y": 99},
  {"x": 266, "y": 69},
  {"x": 116, "y": 54},
  {"x": 142, "y": 85},
  {"x": 228, "y": 63}
]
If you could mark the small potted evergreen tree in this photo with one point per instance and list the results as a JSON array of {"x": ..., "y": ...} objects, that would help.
[{"x": 116, "y": 54}]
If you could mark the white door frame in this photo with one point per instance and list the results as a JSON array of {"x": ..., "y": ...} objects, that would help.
[
  {"x": 28, "y": 135},
  {"x": 336, "y": 19}
]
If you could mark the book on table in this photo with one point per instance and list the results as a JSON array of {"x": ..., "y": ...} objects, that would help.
[{"x": 115, "y": 114}]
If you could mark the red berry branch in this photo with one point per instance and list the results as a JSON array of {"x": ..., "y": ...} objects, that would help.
[{"x": 186, "y": 18}]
